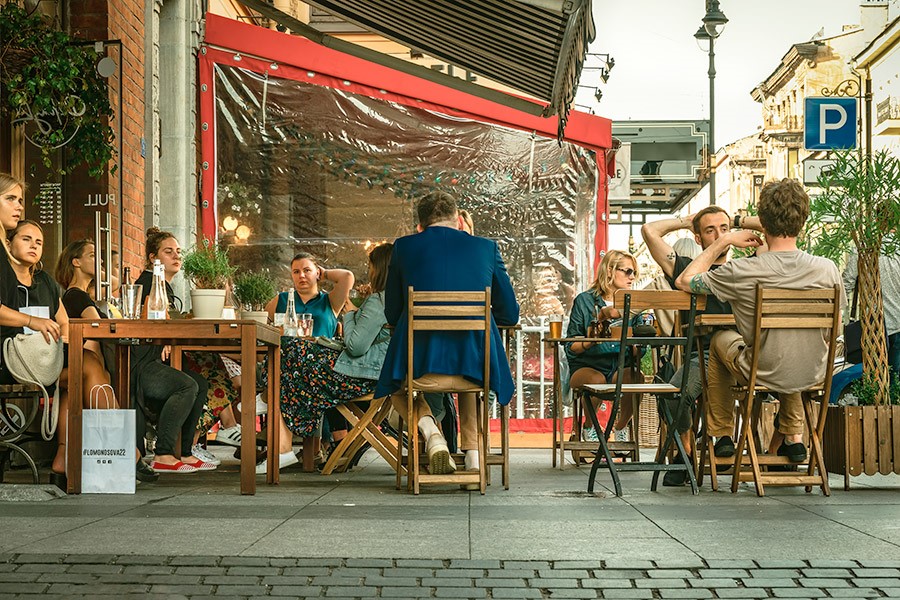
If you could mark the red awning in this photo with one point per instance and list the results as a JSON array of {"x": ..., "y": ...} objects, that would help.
[{"x": 303, "y": 60}]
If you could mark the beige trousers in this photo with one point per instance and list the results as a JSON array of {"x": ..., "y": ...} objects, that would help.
[
  {"x": 722, "y": 372},
  {"x": 436, "y": 382}
]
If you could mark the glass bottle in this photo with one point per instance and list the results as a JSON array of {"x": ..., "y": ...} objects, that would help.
[
  {"x": 158, "y": 302},
  {"x": 291, "y": 320},
  {"x": 126, "y": 276}
]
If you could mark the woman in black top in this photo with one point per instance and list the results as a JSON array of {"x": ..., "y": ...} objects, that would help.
[
  {"x": 39, "y": 293},
  {"x": 11, "y": 320},
  {"x": 157, "y": 388}
]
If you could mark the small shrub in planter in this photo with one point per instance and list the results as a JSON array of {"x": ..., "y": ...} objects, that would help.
[
  {"x": 207, "y": 266},
  {"x": 253, "y": 290}
]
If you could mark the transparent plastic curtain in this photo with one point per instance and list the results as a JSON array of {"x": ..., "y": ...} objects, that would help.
[{"x": 303, "y": 167}]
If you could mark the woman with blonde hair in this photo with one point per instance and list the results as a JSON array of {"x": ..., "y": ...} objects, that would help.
[{"x": 598, "y": 362}]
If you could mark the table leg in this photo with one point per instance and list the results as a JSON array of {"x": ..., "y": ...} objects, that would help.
[
  {"x": 558, "y": 419},
  {"x": 73, "y": 445},
  {"x": 274, "y": 401},
  {"x": 248, "y": 410}
]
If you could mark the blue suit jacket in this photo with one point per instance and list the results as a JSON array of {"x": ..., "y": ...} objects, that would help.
[{"x": 444, "y": 259}]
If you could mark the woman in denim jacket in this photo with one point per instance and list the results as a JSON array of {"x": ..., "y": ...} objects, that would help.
[
  {"x": 320, "y": 377},
  {"x": 598, "y": 362}
]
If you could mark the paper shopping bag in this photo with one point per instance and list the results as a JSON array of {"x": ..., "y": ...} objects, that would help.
[{"x": 108, "y": 448}]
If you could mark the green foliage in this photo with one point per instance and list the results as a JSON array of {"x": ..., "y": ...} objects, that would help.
[
  {"x": 866, "y": 391},
  {"x": 52, "y": 87},
  {"x": 207, "y": 266},
  {"x": 254, "y": 290},
  {"x": 859, "y": 207}
]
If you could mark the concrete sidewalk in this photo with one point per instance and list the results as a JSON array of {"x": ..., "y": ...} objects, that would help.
[{"x": 546, "y": 521}]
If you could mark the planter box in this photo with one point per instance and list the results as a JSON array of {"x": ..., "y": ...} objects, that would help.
[{"x": 862, "y": 440}]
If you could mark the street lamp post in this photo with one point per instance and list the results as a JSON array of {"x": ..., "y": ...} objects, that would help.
[{"x": 713, "y": 24}]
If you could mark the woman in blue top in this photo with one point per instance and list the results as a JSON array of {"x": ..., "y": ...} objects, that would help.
[
  {"x": 315, "y": 378},
  {"x": 598, "y": 362},
  {"x": 308, "y": 298}
]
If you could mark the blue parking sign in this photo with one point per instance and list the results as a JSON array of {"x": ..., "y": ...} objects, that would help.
[{"x": 829, "y": 123}]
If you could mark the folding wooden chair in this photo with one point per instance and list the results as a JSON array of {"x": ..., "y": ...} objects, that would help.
[
  {"x": 447, "y": 311},
  {"x": 629, "y": 301},
  {"x": 365, "y": 426},
  {"x": 788, "y": 309}
]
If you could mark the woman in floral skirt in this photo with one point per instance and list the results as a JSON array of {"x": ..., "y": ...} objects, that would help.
[{"x": 315, "y": 378}]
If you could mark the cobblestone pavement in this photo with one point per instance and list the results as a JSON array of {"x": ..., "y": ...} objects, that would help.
[{"x": 48, "y": 576}]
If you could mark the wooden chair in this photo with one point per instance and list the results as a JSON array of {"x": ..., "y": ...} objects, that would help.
[
  {"x": 447, "y": 311},
  {"x": 628, "y": 301},
  {"x": 788, "y": 309},
  {"x": 364, "y": 427}
]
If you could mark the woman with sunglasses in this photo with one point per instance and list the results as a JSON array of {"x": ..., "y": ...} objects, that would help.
[{"x": 598, "y": 362}]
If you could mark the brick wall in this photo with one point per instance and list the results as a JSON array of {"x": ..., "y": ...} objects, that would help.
[{"x": 111, "y": 20}]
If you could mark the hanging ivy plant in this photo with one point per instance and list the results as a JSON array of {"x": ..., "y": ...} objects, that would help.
[{"x": 52, "y": 88}]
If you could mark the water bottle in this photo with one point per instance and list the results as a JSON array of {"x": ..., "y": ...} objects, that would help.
[
  {"x": 158, "y": 302},
  {"x": 291, "y": 320}
]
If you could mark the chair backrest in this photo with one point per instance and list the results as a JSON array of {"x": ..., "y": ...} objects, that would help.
[
  {"x": 662, "y": 299},
  {"x": 449, "y": 311},
  {"x": 798, "y": 309}
]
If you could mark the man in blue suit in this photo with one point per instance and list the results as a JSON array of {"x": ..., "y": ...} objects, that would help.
[{"x": 442, "y": 257}]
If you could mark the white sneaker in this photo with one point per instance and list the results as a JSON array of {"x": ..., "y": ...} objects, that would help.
[
  {"x": 589, "y": 434},
  {"x": 439, "y": 460},
  {"x": 205, "y": 455},
  {"x": 230, "y": 436},
  {"x": 472, "y": 460},
  {"x": 621, "y": 435},
  {"x": 261, "y": 406},
  {"x": 284, "y": 460}
]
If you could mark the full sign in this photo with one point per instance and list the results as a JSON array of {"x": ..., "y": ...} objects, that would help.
[{"x": 830, "y": 123}]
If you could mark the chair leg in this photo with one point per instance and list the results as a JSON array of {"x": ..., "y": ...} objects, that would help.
[
  {"x": 504, "y": 444},
  {"x": 399, "y": 453},
  {"x": 602, "y": 448},
  {"x": 816, "y": 458},
  {"x": 483, "y": 426}
]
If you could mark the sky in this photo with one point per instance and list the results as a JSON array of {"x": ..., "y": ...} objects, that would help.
[{"x": 661, "y": 73}]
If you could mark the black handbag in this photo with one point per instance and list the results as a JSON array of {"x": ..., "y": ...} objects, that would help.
[{"x": 853, "y": 333}]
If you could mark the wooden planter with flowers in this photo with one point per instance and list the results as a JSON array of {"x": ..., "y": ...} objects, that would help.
[{"x": 859, "y": 208}]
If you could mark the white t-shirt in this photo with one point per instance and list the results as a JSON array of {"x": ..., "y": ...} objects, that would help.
[{"x": 790, "y": 360}]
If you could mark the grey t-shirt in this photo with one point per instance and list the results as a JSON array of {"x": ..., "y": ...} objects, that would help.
[
  {"x": 790, "y": 360},
  {"x": 889, "y": 271}
]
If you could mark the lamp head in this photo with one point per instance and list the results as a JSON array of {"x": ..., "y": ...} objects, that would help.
[
  {"x": 598, "y": 94},
  {"x": 604, "y": 74},
  {"x": 715, "y": 20}
]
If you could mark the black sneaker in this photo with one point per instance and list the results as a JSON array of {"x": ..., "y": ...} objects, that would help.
[
  {"x": 675, "y": 478},
  {"x": 143, "y": 472},
  {"x": 724, "y": 447},
  {"x": 796, "y": 453}
]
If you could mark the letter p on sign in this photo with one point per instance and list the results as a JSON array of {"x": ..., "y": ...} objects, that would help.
[{"x": 830, "y": 123}]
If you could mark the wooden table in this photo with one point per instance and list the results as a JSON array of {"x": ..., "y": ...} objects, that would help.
[{"x": 250, "y": 338}]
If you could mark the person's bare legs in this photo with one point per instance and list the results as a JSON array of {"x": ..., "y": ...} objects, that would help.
[{"x": 93, "y": 374}]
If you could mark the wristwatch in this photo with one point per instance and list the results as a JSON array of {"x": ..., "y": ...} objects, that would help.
[{"x": 737, "y": 221}]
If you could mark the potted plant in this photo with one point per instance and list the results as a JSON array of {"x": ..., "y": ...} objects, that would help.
[
  {"x": 51, "y": 89},
  {"x": 860, "y": 207},
  {"x": 253, "y": 291},
  {"x": 206, "y": 265}
]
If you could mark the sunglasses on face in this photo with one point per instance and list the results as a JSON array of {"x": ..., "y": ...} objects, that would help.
[{"x": 628, "y": 272}]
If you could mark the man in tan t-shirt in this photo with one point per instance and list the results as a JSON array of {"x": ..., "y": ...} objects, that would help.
[{"x": 783, "y": 209}]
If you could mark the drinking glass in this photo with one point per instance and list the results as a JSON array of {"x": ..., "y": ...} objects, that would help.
[
  {"x": 131, "y": 300},
  {"x": 556, "y": 326},
  {"x": 306, "y": 325}
]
